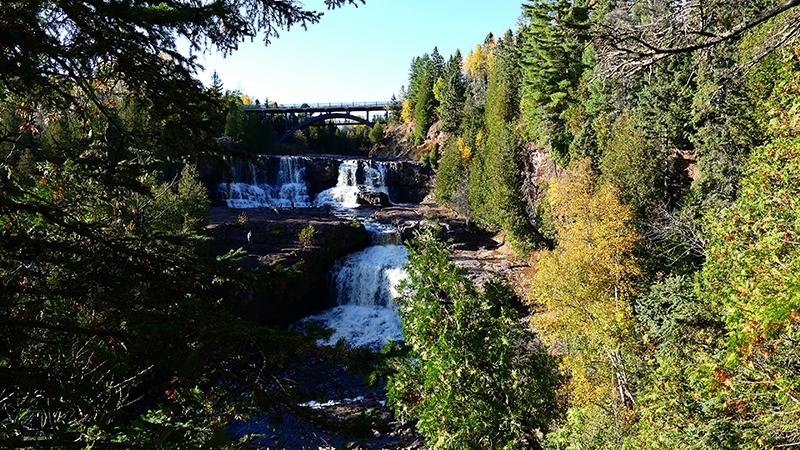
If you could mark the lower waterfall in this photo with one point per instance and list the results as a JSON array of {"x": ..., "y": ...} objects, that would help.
[{"x": 365, "y": 284}]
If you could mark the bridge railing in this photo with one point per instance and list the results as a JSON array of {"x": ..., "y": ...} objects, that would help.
[
  {"x": 336, "y": 105},
  {"x": 343, "y": 105}
]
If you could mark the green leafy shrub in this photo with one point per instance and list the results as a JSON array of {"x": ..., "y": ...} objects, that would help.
[
  {"x": 475, "y": 377},
  {"x": 306, "y": 236},
  {"x": 376, "y": 135},
  {"x": 277, "y": 231}
]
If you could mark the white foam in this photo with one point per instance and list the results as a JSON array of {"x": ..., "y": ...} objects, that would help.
[
  {"x": 365, "y": 284},
  {"x": 288, "y": 190}
]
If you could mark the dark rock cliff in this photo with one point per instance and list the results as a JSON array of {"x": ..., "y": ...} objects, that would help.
[{"x": 275, "y": 238}]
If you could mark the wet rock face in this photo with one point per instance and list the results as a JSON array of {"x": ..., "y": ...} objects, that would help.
[
  {"x": 370, "y": 197},
  {"x": 410, "y": 182},
  {"x": 321, "y": 173}
]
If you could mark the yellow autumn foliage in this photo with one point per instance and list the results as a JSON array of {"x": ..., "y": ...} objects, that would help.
[
  {"x": 583, "y": 288},
  {"x": 478, "y": 62},
  {"x": 465, "y": 152},
  {"x": 407, "y": 114}
]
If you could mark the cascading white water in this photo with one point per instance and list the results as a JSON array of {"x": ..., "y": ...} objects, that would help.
[
  {"x": 345, "y": 193},
  {"x": 375, "y": 176},
  {"x": 287, "y": 190},
  {"x": 365, "y": 284}
]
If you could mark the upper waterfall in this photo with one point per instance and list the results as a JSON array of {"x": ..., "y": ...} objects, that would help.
[
  {"x": 356, "y": 178},
  {"x": 282, "y": 185},
  {"x": 284, "y": 182}
]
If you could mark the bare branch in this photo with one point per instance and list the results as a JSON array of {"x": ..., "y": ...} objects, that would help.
[{"x": 626, "y": 48}]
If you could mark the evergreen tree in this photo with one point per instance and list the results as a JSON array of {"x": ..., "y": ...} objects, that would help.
[
  {"x": 451, "y": 170},
  {"x": 376, "y": 135},
  {"x": 257, "y": 133},
  {"x": 475, "y": 377},
  {"x": 495, "y": 177},
  {"x": 419, "y": 66},
  {"x": 635, "y": 165},
  {"x": 553, "y": 62},
  {"x": 234, "y": 120},
  {"x": 426, "y": 104},
  {"x": 452, "y": 94},
  {"x": 216, "y": 85}
]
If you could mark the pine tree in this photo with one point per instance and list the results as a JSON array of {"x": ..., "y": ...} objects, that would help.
[
  {"x": 234, "y": 120},
  {"x": 495, "y": 176},
  {"x": 452, "y": 94},
  {"x": 216, "y": 85},
  {"x": 419, "y": 65},
  {"x": 426, "y": 104},
  {"x": 553, "y": 63}
]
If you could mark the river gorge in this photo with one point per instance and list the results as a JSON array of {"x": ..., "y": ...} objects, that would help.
[{"x": 361, "y": 211}]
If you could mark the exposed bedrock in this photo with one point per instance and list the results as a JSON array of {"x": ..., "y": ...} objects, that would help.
[{"x": 280, "y": 239}]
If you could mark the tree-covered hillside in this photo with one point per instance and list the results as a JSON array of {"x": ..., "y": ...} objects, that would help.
[{"x": 644, "y": 157}]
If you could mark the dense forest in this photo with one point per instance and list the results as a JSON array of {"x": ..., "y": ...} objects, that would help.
[{"x": 640, "y": 156}]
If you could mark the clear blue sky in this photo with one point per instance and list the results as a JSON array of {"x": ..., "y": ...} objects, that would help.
[{"x": 358, "y": 54}]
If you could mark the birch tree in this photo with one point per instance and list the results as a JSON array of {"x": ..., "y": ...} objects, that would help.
[{"x": 581, "y": 291}]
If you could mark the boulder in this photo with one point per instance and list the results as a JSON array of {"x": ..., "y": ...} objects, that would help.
[{"x": 371, "y": 197}]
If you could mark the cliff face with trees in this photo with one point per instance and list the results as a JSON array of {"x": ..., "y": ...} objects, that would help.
[{"x": 665, "y": 249}]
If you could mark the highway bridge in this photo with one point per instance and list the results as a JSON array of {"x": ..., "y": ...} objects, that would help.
[{"x": 318, "y": 113}]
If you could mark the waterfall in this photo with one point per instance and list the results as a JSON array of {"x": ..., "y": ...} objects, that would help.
[
  {"x": 345, "y": 193},
  {"x": 375, "y": 176},
  {"x": 354, "y": 176},
  {"x": 283, "y": 188},
  {"x": 365, "y": 284}
]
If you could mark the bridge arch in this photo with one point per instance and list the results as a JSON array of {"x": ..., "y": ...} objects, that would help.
[{"x": 314, "y": 119}]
